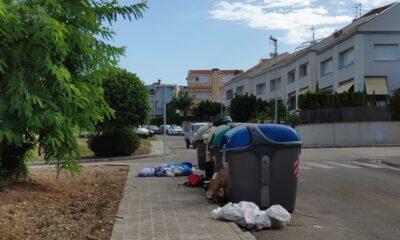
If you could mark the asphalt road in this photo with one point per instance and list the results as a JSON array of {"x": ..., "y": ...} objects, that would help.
[{"x": 343, "y": 193}]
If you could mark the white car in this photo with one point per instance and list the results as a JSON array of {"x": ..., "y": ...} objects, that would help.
[
  {"x": 142, "y": 132},
  {"x": 175, "y": 130}
]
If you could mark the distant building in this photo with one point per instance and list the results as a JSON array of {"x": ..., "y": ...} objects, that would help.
[
  {"x": 209, "y": 84},
  {"x": 158, "y": 94},
  {"x": 363, "y": 56}
]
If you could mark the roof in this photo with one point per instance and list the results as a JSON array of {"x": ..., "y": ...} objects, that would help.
[
  {"x": 378, "y": 10},
  {"x": 211, "y": 71}
]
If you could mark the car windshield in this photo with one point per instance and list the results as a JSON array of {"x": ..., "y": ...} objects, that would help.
[{"x": 177, "y": 128}]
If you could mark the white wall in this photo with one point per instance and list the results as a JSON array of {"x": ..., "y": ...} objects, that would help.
[{"x": 349, "y": 134}]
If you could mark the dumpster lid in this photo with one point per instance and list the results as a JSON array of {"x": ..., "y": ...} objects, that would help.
[
  {"x": 202, "y": 130},
  {"x": 237, "y": 138},
  {"x": 218, "y": 135},
  {"x": 279, "y": 133}
]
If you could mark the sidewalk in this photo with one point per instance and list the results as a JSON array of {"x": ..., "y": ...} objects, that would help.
[{"x": 157, "y": 208}]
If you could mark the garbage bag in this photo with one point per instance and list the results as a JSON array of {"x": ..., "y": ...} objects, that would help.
[
  {"x": 278, "y": 215},
  {"x": 146, "y": 172},
  {"x": 245, "y": 214}
]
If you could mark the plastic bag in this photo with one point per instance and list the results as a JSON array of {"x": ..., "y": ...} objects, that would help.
[
  {"x": 245, "y": 214},
  {"x": 278, "y": 215}
]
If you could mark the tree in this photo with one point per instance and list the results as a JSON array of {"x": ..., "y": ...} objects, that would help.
[
  {"x": 243, "y": 108},
  {"x": 182, "y": 101},
  {"x": 127, "y": 95},
  {"x": 394, "y": 105},
  {"x": 206, "y": 110},
  {"x": 47, "y": 50}
]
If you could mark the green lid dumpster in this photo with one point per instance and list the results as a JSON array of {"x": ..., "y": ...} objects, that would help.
[
  {"x": 263, "y": 164},
  {"x": 214, "y": 146}
]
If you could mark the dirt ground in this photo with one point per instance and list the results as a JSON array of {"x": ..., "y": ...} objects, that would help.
[{"x": 82, "y": 206}]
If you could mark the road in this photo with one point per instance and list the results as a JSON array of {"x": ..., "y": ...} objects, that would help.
[{"x": 343, "y": 193}]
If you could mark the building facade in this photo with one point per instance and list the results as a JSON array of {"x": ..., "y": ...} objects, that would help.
[
  {"x": 160, "y": 93},
  {"x": 363, "y": 56},
  {"x": 209, "y": 84}
]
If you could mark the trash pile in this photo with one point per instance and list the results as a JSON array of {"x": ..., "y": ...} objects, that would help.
[
  {"x": 249, "y": 216},
  {"x": 171, "y": 170}
]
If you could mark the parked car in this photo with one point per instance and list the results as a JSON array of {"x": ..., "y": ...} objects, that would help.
[
  {"x": 161, "y": 129},
  {"x": 175, "y": 130},
  {"x": 190, "y": 133},
  {"x": 153, "y": 129},
  {"x": 142, "y": 132}
]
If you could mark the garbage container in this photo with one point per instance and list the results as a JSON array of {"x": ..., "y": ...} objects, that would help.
[
  {"x": 201, "y": 149},
  {"x": 214, "y": 146},
  {"x": 263, "y": 164}
]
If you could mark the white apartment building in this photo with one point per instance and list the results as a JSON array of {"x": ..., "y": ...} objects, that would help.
[{"x": 365, "y": 55}]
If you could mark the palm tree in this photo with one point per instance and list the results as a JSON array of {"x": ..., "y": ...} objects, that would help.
[{"x": 182, "y": 101}]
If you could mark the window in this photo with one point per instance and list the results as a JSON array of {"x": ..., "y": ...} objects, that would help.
[
  {"x": 260, "y": 89},
  {"x": 197, "y": 79},
  {"x": 386, "y": 52},
  {"x": 152, "y": 92},
  {"x": 327, "y": 67},
  {"x": 229, "y": 95},
  {"x": 303, "y": 70},
  {"x": 272, "y": 85},
  {"x": 346, "y": 58},
  {"x": 239, "y": 90},
  {"x": 292, "y": 101},
  {"x": 291, "y": 76}
]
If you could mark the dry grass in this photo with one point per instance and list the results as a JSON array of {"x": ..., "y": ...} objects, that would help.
[
  {"x": 144, "y": 147},
  {"x": 71, "y": 207}
]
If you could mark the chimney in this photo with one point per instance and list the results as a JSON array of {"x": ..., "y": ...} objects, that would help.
[{"x": 159, "y": 81}]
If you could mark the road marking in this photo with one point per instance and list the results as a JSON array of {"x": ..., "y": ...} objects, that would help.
[
  {"x": 342, "y": 165},
  {"x": 320, "y": 165},
  {"x": 367, "y": 165}
]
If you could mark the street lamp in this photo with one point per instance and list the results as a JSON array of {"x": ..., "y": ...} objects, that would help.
[{"x": 275, "y": 42}]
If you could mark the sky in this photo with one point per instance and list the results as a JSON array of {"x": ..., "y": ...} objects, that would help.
[{"x": 177, "y": 35}]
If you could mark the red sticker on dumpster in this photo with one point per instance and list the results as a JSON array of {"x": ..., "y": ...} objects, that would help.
[{"x": 296, "y": 168}]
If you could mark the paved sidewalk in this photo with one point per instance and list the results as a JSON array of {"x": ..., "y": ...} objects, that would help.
[{"x": 157, "y": 208}]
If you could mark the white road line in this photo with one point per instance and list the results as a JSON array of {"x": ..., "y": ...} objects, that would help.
[
  {"x": 343, "y": 165},
  {"x": 367, "y": 165},
  {"x": 320, "y": 165}
]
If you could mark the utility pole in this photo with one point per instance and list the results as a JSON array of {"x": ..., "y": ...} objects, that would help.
[
  {"x": 165, "y": 121},
  {"x": 275, "y": 42}
]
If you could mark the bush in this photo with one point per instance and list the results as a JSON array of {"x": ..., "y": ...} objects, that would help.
[
  {"x": 335, "y": 100},
  {"x": 394, "y": 105},
  {"x": 117, "y": 143}
]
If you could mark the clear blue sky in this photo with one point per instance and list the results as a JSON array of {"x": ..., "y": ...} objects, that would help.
[{"x": 177, "y": 35}]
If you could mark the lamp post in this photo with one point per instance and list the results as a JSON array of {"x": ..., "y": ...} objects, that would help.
[
  {"x": 165, "y": 122},
  {"x": 275, "y": 42}
]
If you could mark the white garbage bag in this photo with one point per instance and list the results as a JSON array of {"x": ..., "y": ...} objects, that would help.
[
  {"x": 245, "y": 214},
  {"x": 278, "y": 215}
]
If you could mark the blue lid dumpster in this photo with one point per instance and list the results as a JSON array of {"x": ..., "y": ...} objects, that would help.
[{"x": 263, "y": 162}]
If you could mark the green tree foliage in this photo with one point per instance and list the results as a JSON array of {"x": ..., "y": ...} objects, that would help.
[
  {"x": 116, "y": 143},
  {"x": 246, "y": 107},
  {"x": 394, "y": 105},
  {"x": 335, "y": 100},
  {"x": 206, "y": 110},
  {"x": 127, "y": 95},
  {"x": 47, "y": 50},
  {"x": 182, "y": 102}
]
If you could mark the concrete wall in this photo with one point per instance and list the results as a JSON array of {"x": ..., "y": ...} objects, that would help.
[{"x": 350, "y": 134}]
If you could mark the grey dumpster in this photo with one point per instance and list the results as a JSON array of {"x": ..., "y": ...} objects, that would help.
[
  {"x": 263, "y": 164},
  {"x": 201, "y": 148}
]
